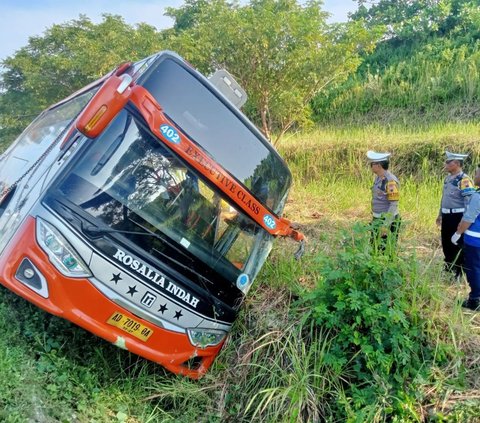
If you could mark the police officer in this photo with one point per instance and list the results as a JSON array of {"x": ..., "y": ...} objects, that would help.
[
  {"x": 469, "y": 226},
  {"x": 457, "y": 189},
  {"x": 385, "y": 196}
]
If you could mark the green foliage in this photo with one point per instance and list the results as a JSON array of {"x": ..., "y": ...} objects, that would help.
[
  {"x": 65, "y": 58},
  {"x": 419, "y": 79},
  {"x": 276, "y": 362},
  {"x": 414, "y": 19},
  {"x": 300, "y": 386},
  {"x": 282, "y": 52},
  {"x": 186, "y": 16},
  {"x": 406, "y": 19},
  {"x": 332, "y": 155},
  {"x": 366, "y": 299},
  {"x": 428, "y": 59}
]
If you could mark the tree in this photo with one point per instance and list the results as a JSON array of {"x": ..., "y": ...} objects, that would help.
[
  {"x": 186, "y": 15},
  {"x": 427, "y": 60},
  {"x": 282, "y": 52},
  {"x": 414, "y": 19},
  {"x": 65, "y": 58}
]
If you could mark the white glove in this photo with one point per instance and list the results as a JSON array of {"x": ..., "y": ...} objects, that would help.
[{"x": 455, "y": 237}]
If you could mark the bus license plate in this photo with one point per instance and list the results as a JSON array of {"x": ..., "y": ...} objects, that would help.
[{"x": 130, "y": 325}]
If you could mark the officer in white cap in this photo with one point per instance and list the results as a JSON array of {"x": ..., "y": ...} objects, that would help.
[
  {"x": 385, "y": 196},
  {"x": 457, "y": 189}
]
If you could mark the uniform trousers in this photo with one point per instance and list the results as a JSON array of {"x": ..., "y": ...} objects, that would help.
[
  {"x": 453, "y": 253},
  {"x": 472, "y": 269},
  {"x": 381, "y": 240}
]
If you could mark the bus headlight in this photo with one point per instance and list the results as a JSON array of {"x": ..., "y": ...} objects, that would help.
[
  {"x": 59, "y": 251},
  {"x": 204, "y": 338}
]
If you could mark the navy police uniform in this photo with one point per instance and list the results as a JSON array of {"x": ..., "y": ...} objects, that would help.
[
  {"x": 457, "y": 190},
  {"x": 472, "y": 251}
]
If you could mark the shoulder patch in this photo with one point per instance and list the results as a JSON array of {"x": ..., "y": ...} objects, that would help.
[
  {"x": 393, "y": 193},
  {"x": 466, "y": 182},
  {"x": 466, "y": 186}
]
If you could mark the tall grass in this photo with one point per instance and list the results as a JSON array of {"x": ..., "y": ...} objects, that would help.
[
  {"x": 298, "y": 387},
  {"x": 420, "y": 78},
  {"x": 417, "y": 151}
]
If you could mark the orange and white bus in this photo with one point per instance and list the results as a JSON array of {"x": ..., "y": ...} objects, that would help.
[{"x": 141, "y": 208}]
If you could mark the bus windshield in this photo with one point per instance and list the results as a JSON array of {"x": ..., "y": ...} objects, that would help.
[
  {"x": 221, "y": 131},
  {"x": 129, "y": 180}
]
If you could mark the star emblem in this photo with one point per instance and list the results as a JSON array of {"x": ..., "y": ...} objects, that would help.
[
  {"x": 132, "y": 290},
  {"x": 115, "y": 278},
  {"x": 178, "y": 314},
  {"x": 163, "y": 308}
]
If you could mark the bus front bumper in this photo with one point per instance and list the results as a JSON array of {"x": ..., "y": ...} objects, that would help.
[{"x": 78, "y": 301}]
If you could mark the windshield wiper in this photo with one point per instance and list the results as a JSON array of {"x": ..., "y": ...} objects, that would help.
[
  {"x": 95, "y": 232},
  {"x": 111, "y": 150},
  {"x": 183, "y": 266}
]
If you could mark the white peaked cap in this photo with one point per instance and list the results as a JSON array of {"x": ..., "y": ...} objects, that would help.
[
  {"x": 378, "y": 157},
  {"x": 455, "y": 156}
]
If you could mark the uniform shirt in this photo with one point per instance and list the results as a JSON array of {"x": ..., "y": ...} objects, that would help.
[
  {"x": 385, "y": 194},
  {"x": 471, "y": 215},
  {"x": 473, "y": 209},
  {"x": 456, "y": 191}
]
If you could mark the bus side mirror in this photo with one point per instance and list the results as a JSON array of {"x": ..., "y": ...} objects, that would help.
[{"x": 112, "y": 97}]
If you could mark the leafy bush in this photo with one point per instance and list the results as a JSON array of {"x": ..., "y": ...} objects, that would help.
[{"x": 369, "y": 301}]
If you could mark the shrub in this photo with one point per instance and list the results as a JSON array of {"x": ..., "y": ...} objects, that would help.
[{"x": 368, "y": 301}]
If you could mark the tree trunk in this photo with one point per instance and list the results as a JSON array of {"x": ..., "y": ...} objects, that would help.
[
  {"x": 285, "y": 128},
  {"x": 265, "y": 123}
]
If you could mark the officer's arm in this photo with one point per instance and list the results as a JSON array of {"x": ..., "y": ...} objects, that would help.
[
  {"x": 441, "y": 199},
  {"x": 467, "y": 188},
  {"x": 393, "y": 195},
  {"x": 391, "y": 213},
  {"x": 463, "y": 226},
  {"x": 470, "y": 215}
]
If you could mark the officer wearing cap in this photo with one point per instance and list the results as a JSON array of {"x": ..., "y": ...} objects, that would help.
[
  {"x": 457, "y": 189},
  {"x": 385, "y": 196},
  {"x": 469, "y": 227}
]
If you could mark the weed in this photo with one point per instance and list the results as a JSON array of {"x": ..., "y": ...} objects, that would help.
[{"x": 367, "y": 300}]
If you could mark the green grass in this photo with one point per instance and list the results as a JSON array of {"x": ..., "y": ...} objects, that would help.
[
  {"x": 418, "y": 151},
  {"x": 275, "y": 366},
  {"x": 427, "y": 80}
]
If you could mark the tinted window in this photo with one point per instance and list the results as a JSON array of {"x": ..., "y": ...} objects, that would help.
[
  {"x": 210, "y": 123},
  {"x": 36, "y": 139},
  {"x": 130, "y": 181}
]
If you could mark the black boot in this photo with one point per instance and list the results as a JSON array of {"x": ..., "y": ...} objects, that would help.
[{"x": 472, "y": 304}]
